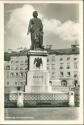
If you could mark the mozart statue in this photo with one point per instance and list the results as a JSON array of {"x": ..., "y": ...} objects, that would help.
[{"x": 35, "y": 28}]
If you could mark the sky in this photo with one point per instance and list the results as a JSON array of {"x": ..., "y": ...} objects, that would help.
[{"x": 60, "y": 24}]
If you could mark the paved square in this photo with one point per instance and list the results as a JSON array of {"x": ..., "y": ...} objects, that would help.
[{"x": 55, "y": 113}]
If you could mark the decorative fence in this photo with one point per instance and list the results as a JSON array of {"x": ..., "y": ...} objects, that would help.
[
  {"x": 58, "y": 99},
  {"x": 43, "y": 99}
]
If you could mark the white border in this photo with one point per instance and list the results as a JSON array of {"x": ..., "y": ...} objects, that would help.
[{"x": 2, "y": 121}]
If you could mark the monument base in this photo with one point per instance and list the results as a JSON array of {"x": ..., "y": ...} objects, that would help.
[
  {"x": 37, "y": 76},
  {"x": 37, "y": 82}
]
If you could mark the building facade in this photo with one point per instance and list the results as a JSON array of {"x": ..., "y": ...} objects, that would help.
[
  {"x": 62, "y": 65},
  {"x": 15, "y": 73}
]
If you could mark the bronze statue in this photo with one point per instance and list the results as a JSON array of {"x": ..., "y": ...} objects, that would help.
[{"x": 36, "y": 30}]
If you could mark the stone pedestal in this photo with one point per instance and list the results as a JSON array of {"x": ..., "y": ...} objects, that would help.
[
  {"x": 20, "y": 99},
  {"x": 38, "y": 76},
  {"x": 71, "y": 98}
]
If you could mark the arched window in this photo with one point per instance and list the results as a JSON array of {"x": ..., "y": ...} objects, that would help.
[{"x": 63, "y": 83}]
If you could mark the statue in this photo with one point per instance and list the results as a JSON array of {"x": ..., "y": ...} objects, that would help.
[{"x": 36, "y": 30}]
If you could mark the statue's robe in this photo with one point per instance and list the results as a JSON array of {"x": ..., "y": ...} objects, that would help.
[{"x": 36, "y": 30}]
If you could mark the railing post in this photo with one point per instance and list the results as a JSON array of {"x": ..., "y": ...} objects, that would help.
[
  {"x": 20, "y": 99},
  {"x": 71, "y": 98}
]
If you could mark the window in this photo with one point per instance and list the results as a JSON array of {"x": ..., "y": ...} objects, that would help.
[
  {"x": 68, "y": 67},
  {"x": 68, "y": 73},
  {"x": 26, "y": 61},
  {"x": 21, "y": 74},
  {"x": 16, "y": 74},
  {"x": 68, "y": 58},
  {"x": 16, "y": 68},
  {"x": 26, "y": 68},
  {"x": 53, "y": 76},
  {"x": 21, "y": 83},
  {"x": 75, "y": 74},
  {"x": 11, "y": 61},
  {"x": 12, "y": 68},
  {"x": 53, "y": 64},
  {"x": 61, "y": 73},
  {"x": 64, "y": 83},
  {"x": 53, "y": 73},
  {"x": 16, "y": 61},
  {"x": 47, "y": 60},
  {"x": 53, "y": 58},
  {"x": 61, "y": 59},
  {"x": 22, "y": 62},
  {"x": 15, "y": 83},
  {"x": 12, "y": 74},
  {"x": 18, "y": 88},
  {"x": 8, "y": 75},
  {"x": 50, "y": 82},
  {"x": 61, "y": 64},
  {"x": 75, "y": 65},
  {"x": 47, "y": 67},
  {"x": 75, "y": 83},
  {"x": 7, "y": 83},
  {"x": 25, "y": 74},
  {"x": 21, "y": 68},
  {"x": 7, "y": 67},
  {"x": 61, "y": 67},
  {"x": 75, "y": 58},
  {"x": 53, "y": 67}
]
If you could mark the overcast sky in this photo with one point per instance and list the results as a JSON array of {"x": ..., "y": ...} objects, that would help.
[{"x": 60, "y": 23}]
